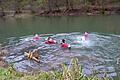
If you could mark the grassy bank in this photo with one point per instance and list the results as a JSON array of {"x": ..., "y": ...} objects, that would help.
[{"x": 72, "y": 72}]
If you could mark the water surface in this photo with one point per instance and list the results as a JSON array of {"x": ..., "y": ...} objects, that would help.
[
  {"x": 21, "y": 27},
  {"x": 99, "y": 52}
]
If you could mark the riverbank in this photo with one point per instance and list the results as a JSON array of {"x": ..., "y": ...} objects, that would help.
[
  {"x": 72, "y": 72},
  {"x": 67, "y": 71},
  {"x": 82, "y": 10},
  {"x": 3, "y": 54}
]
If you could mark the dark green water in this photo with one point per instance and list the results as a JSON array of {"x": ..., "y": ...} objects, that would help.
[{"x": 22, "y": 27}]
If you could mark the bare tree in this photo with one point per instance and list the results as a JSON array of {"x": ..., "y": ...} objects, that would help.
[
  {"x": 32, "y": 4},
  {"x": 49, "y": 5},
  {"x": 17, "y": 8},
  {"x": 2, "y": 12},
  {"x": 69, "y": 5}
]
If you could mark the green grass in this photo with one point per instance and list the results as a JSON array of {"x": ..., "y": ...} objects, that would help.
[{"x": 71, "y": 72}]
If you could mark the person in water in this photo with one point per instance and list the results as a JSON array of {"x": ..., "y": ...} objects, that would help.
[
  {"x": 85, "y": 36},
  {"x": 50, "y": 41},
  {"x": 36, "y": 37},
  {"x": 64, "y": 45}
]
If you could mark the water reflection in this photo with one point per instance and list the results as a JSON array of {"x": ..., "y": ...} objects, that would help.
[{"x": 17, "y": 27}]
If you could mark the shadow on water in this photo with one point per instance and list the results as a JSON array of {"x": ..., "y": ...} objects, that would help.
[{"x": 98, "y": 53}]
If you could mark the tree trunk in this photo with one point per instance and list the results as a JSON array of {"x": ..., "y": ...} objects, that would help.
[
  {"x": 57, "y": 5},
  {"x": 2, "y": 12},
  {"x": 102, "y": 7},
  {"x": 49, "y": 5},
  {"x": 17, "y": 8},
  {"x": 32, "y": 6},
  {"x": 67, "y": 5},
  {"x": 71, "y": 4}
]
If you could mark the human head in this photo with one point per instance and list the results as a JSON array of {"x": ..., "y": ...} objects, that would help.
[
  {"x": 49, "y": 38},
  {"x": 63, "y": 40},
  {"x": 85, "y": 34},
  {"x": 36, "y": 35}
]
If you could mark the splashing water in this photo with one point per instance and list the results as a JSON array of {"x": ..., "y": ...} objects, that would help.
[{"x": 98, "y": 53}]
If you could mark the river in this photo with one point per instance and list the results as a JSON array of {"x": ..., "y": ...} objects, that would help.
[
  {"x": 27, "y": 26},
  {"x": 101, "y": 51}
]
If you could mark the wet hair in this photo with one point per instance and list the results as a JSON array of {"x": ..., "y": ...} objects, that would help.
[
  {"x": 63, "y": 40},
  {"x": 48, "y": 38},
  {"x": 69, "y": 48}
]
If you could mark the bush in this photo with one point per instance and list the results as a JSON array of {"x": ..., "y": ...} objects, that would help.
[{"x": 71, "y": 72}]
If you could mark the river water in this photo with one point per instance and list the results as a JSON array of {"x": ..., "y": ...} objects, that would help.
[{"x": 99, "y": 52}]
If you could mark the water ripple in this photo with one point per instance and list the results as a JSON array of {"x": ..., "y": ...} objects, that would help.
[{"x": 99, "y": 52}]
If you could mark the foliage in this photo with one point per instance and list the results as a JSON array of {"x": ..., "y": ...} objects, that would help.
[
  {"x": 16, "y": 5},
  {"x": 72, "y": 72}
]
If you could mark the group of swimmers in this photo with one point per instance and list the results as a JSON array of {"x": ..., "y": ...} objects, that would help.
[
  {"x": 63, "y": 43},
  {"x": 35, "y": 53}
]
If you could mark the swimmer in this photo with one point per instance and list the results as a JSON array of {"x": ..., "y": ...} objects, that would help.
[
  {"x": 85, "y": 36},
  {"x": 50, "y": 41},
  {"x": 64, "y": 45},
  {"x": 36, "y": 37}
]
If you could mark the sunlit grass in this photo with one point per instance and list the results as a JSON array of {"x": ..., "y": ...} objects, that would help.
[{"x": 71, "y": 72}]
